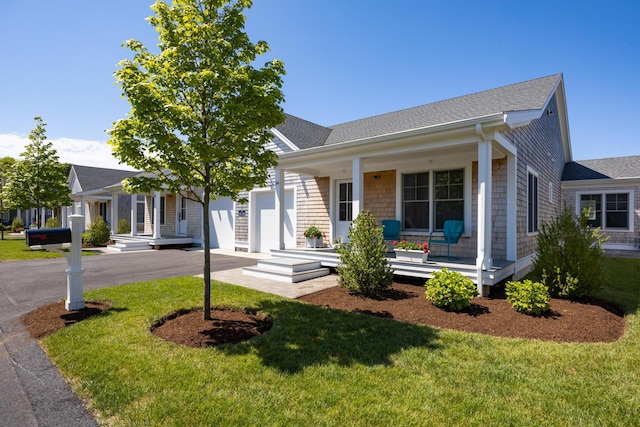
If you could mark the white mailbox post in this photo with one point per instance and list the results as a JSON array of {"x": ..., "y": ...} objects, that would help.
[
  {"x": 74, "y": 260},
  {"x": 54, "y": 240}
]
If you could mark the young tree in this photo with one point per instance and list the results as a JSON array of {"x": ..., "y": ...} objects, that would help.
[
  {"x": 364, "y": 268},
  {"x": 201, "y": 112},
  {"x": 6, "y": 166},
  {"x": 39, "y": 180}
]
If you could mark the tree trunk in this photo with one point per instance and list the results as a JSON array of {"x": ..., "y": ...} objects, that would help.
[{"x": 207, "y": 256}]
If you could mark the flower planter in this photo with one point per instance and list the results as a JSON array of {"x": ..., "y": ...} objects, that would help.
[
  {"x": 313, "y": 242},
  {"x": 411, "y": 255}
]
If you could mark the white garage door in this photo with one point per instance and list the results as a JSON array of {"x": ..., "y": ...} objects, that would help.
[
  {"x": 221, "y": 223},
  {"x": 266, "y": 235}
]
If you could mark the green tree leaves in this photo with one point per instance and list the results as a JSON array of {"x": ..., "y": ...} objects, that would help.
[
  {"x": 201, "y": 112},
  {"x": 39, "y": 180}
]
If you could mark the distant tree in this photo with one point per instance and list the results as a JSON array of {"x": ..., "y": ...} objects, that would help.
[
  {"x": 201, "y": 112},
  {"x": 39, "y": 179},
  {"x": 6, "y": 166}
]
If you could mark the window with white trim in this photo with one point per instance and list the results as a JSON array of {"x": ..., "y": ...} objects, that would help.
[
  {"x": 162, "y": 210},
  {"x": 444, "y": 197},
  {"x": 415, "y": 201},
  {"x": 532, "y": 201},
  {"x": 140, "y": 209},
  {"x": 609, "y": 211},
  {"x": 345, "y": 201}
]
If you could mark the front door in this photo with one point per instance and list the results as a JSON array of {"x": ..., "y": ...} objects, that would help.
[
  {"x": 344, "y": 209},
  {"x": 182, "y": 217}
]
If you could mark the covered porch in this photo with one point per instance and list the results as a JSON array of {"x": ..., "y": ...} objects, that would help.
[
  {"x": 464, "y": 171},
  {"x": 327, "y": 257}
]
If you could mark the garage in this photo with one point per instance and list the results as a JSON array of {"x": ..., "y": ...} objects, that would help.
[
  {"x": 221, "y": 221},
  {"x": 264, "y": 232}
]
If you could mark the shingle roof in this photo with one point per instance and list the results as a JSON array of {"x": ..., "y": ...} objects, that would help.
[
  {"x": 610, "y": 168},
  {"x": 303, "y": 133},
  {"x": 525, "y": 96},
  {"x": 92, "y": 178},
  {"x": 529, "y": 95}
]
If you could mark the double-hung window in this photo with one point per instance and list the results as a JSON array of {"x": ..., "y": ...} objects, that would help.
[
  {"x": 607, "y": 211},
  {"x": 532, "y": 202},
  {"x": 449, "y": 196},
  {"x": 437, "y": 192},
  {"x": 162, "y": 210},
  {"x": 415, "y": 201}
]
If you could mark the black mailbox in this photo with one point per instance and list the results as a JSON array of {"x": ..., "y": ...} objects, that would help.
[{"x": 48, "y": 236}]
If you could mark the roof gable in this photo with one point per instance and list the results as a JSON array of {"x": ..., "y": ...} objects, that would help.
[
  {"x": 302, "y": 133},
  {"x": 88, "y": 178}
]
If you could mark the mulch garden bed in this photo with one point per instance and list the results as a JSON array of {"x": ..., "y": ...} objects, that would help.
[{"x": 566, "y": 321}]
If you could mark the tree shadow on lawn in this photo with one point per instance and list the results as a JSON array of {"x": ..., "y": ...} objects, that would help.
[{"x": 305, "y": 335}]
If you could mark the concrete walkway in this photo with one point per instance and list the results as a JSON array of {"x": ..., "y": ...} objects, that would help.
[{"x": 32, "y": 391}]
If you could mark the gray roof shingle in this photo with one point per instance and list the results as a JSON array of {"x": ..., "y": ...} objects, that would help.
[
  {"x": 610, "y": 168},
  {"x": 302, "y": 133},
  {"x": 525, "y": 96},
  {"x": 529, "y": 95},
  {"x": 92, "y": 178}
]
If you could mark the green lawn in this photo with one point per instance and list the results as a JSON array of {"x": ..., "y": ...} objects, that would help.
[
  {"x": 323, "y": 367},
  {"x": 14, "y": 248}
]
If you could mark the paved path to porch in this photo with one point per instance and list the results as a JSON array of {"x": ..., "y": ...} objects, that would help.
[{"x": 32, "y": 391}]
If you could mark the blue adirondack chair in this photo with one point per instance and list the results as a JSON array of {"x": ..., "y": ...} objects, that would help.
[
  {"x": 451, "y": 232},
  {"x": 391, "y": 229}
]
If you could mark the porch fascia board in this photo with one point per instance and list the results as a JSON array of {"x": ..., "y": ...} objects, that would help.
[{"x": 438, "y": 136}]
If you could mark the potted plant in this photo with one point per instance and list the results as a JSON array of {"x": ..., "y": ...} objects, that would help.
[
  {"x": 313, "y": 237},
  {"x": 411, "y": 252}
]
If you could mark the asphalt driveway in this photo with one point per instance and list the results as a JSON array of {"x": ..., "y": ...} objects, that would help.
[{"x": 32, "y": 392}]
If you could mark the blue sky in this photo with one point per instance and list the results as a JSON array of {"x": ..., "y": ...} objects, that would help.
[{"x": 344, "y": 60}]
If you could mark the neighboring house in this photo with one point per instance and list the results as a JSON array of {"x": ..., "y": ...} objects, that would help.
[
  {"x": 92, "y": 200},
  {"x": 609, "y": 188}
]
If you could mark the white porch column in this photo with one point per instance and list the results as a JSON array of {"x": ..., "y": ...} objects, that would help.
[
  {"x": 83, "y": 208},
  {"x": 512, "y": 179},
  {"x": 280, "y": 209},
  {"x": 63, "y": 216},
  {"x": 483, "y": 260},
  {"x": 114, "y": 213},
  {"x": 156, "y": 215},
  {"x": 43, "y": 217},
  {"x": 134, "y": 214},
  {"x": 358, "y": 187}
]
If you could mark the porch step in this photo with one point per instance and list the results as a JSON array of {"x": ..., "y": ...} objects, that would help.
[
  {"x": 130, "y": 245},
  {"x": 327, "y": 257},
  {"x": 290, "y": 270}
]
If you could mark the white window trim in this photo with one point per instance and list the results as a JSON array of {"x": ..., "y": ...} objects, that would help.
[
  {"x": 468, "y": 196},
  {"x": 531, "y": 171},
  {"x": 602, "y": 194},
  {"x": 163, "y": 212}
]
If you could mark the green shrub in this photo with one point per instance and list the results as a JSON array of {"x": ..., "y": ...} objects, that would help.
[
  {"x": 17, "y": 224},
  {"x": 568, "y": 259},
  {"x": 364, "y": 268},
  {"x": 528, "y": 297},
  {"x": 52, "y": 223},
  {"x": 123, "y": 226},
  {"x": 97, "y": 234},
  {"x": 450, "y": 290}
]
